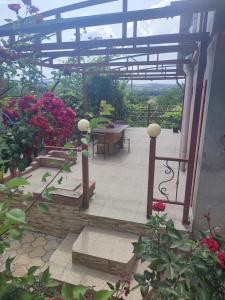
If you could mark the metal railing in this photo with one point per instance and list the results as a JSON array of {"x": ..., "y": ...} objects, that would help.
[
  {"x": 143, "y": 115},
  {"x": 162, "y": 189}
]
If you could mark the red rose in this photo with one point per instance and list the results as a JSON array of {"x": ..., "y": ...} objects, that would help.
[
  {"x": 159, "y": 206},
  {"x": 211, "y": 244},
  {"x": 14, "y": 7},
  {"x": 221, "y": 258}
]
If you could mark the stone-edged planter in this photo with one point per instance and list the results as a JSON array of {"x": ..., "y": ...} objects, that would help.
[
  {"x": 175, "y": 130},
  {"x": 13, "y": 172}
]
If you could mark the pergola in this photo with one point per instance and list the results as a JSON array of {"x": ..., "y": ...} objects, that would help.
[
  {"x": 132, "y": 53},
  {"x": 128, "y": 58}
]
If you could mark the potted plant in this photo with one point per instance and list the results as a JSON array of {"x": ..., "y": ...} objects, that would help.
[{"x": 172, "y": 119}]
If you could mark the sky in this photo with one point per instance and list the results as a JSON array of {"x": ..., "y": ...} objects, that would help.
[{"x": 151, "y": 27}]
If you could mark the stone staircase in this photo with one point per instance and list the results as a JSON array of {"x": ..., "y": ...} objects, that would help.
[
  {"x": 94, "y": 257},
  {"x": 105, "y": 250}
]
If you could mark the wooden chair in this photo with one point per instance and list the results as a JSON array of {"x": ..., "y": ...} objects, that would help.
[
  {"x": 99, "y": 139},
  {"x": 124, "y": 140}
]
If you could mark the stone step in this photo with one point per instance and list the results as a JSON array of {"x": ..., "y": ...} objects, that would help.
[
  {"x": 105, "y": 250},
  {"x": 62, "y": 269}
]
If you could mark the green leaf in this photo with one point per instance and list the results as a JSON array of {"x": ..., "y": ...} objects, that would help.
[
  {"x": 173, "y": 233},
  {"x": 32, "y": 270},
  {"x": 2, "y": 205},
  {"x": 140, "y": 278},
  {"x": 84, "y": 141},
  {"x": 103, "y": 295},
  {"x": 17, "y": 215},
  {"x": 52, "y": 283},
  {"x": 110, "y": 285},
  {"x": 16, "y": 182},
  {"x": 158, "y": 265},
  {"x": 144, "y": 290},
  {"x": 8, "y": 264},
  {"x": 44, "y": 177},
  {"x": 67, "y": 291},
  {"x": 66, "y": 168},
  {"x": 79, "y": 291},
  {"x": 86, "y": 153},
  {"x": 15, "y": 233},
  {"x": 45, "y": 275},
  {"x": 2, "y": 187},
  {"x": 68, "y": 146},
  {"x": 51, "y": 189},
  {"x": 60, "y": 180},
  {"x": 42, "y": 207}
]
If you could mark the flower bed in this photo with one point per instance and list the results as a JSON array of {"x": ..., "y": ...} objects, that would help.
[{"x": 31, "y": 123}]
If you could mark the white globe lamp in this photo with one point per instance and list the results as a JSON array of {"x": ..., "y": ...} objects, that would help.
[
  {"x": 83, "y": 125},
  {"x": 154, "y": 130}
]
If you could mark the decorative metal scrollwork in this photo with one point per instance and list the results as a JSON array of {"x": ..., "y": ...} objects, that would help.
[{"x": 161, "y": 187}]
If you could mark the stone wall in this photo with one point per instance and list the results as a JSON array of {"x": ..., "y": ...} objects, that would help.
[{"x": 62, "y": 219}]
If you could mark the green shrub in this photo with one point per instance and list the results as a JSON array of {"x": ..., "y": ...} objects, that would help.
[{"x": 172, "y": 119}]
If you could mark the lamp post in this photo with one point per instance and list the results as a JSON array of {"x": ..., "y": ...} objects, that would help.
[
  {"x": 84, "y": 126},
  {"x": 153, "y": 131}
]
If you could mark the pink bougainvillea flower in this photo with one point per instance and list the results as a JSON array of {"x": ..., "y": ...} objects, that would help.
[
  {"x": 158, "y": 206},
  {"x": 49, "y": 94},
  {"x": 211, "y": 244},
  {"x": 11, "y": 114},
  {"x": 26, "y": 102},
  {"x": 12, "y": 102},
  {"x": 39, "y": 18},
  {"x": 221, "y": 259},
  {"x": 27, "y": 2},
  {"x": 14, "y": 7},
  {"x": 33, "y": 10}
]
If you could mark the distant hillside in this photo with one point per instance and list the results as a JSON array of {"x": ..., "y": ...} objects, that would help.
[{"x": 152, "y": 86}]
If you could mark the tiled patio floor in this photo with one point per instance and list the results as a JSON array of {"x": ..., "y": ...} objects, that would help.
[
  {"x": 121, "y": 179},
  {"x": 34, "y": 249}
]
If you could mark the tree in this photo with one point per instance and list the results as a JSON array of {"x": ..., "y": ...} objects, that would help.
[
  {"x": 106, "y": 88},
  {"x": 173, "y": 96}
]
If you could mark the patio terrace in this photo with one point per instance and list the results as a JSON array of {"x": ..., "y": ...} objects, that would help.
[{"x": 121, "y": 179}]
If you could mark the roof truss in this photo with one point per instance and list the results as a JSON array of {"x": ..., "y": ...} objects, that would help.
[{"x": 132, "y": 53}]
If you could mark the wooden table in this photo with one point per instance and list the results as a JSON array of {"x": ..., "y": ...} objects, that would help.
[{"x": 111, "y": 136}]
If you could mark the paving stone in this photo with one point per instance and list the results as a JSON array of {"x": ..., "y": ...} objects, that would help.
[
  {"x": 40, "y": 241},
  {"x": 51, "y": 245},
  {"x": 20, "y": 271},
  {"x": 44, "y": 267},
  {"x": 37, "y": 252},
  {"x": 47, "y": 255},
  {"x": 24, "y": 248},
  {"x": 9, "y": 253},
  {"x": 22, "y": 260},
  {"x": 50, "y": 237},
  {"x": 38, "y": 262},
  {"x": 14, "y": 245},
  {"x": 28, "y": 238}
]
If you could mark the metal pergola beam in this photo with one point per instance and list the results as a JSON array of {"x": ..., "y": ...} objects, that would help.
[
  {"x": 114, "y": 51},
  {"x": 175, "y": 9},
  {"x": 163, "y": 71},
  {"x": 121, "y": 63},
  {"x": 155, "y": 39},
  {"x": 151, "y": 78}
]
